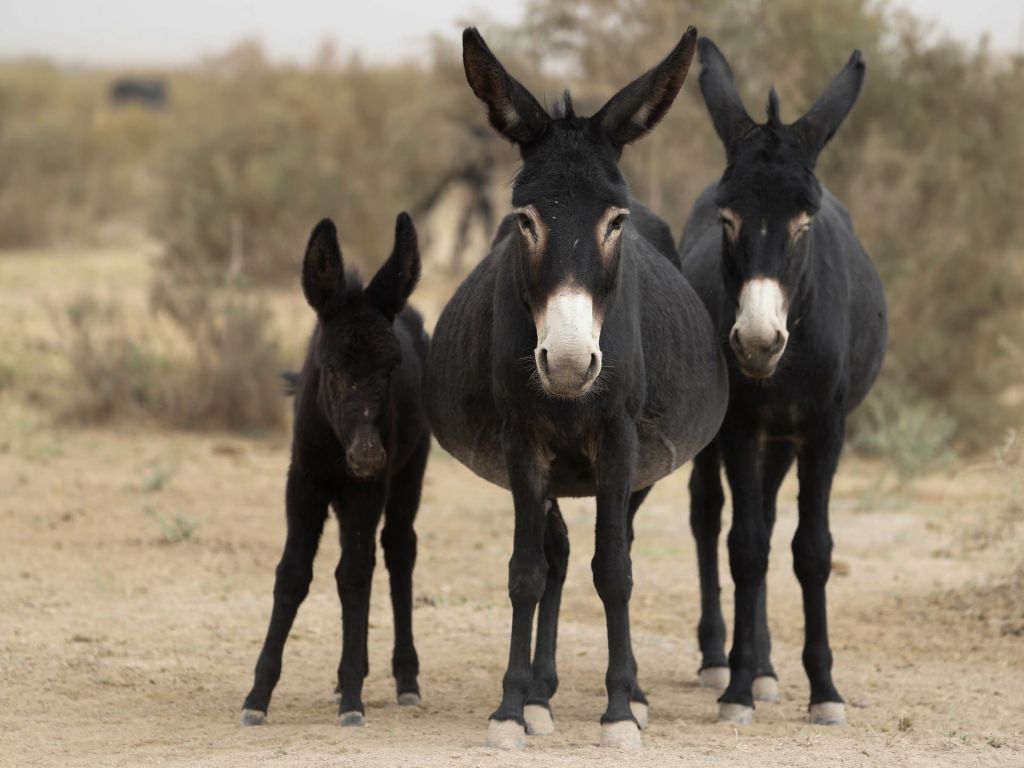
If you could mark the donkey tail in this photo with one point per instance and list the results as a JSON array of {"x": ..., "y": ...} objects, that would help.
[{"x": 291, "y": 382}]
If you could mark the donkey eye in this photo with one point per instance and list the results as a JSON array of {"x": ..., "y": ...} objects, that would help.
[
  {"x": 616, "y": 224},
  {"x": 526, "y": 225}
]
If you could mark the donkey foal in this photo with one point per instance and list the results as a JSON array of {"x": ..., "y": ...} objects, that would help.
[{"x": 360, "y": 445}]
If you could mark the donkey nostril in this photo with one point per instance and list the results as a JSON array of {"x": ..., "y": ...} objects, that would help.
[
  {"x": 542, "y": 360},
  {"x": 777, "y": 345},
  {"x": 734, "y": 338},
  {"x": 594, "y": 366}
]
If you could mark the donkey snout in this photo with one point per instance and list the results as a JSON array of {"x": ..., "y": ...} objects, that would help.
[
  {"x": 568, "y": 373},
  {"x": 366, "y": 457},
  {"x": 758, "y": 353}
]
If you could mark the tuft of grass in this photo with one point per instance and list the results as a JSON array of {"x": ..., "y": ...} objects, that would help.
[
  {"x": 173, "y": 529},
  {"x": 158, "y": 475}
]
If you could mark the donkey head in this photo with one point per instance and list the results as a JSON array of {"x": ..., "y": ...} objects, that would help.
[
  {"x": 356, "y": 350},
  {"x": 571, "y": 203},
  {"x": 767, "y": 200}
]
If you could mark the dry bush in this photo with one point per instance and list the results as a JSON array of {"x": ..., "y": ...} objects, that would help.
[
  {"x": 214, "y": 367},
  {"x": 70, "y": 165},
  {"x": 260, "y": 153},
  {"x": 231, "y": 379},
  {"x": 114, "y": 372}
]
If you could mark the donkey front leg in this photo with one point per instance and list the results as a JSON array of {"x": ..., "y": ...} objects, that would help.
[
  {"x": 638, "y": 702},
  {"x": 748, "y": 560},
  {"x": 812, "y": 561},
  {"x": 537, "y": 712},
  {"x": 778, "y": 458},
  {"x": 399, "y": 542},
  {"x": 527, "y": 576},
  {"x": 613, "y": 578},
  {"x": 358, "y": 515},
  {"x": 306, "y": 510}
]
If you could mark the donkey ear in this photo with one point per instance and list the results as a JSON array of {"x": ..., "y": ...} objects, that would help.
[
  {"x": 723, "y": 101},
  {"x": 823, "y": 119},
  {"x": 512, "y": 110},
  {"x": 396, "y": 279},
  {"x": 323, "y": 274},
  {"x": 637, "y": 108}
]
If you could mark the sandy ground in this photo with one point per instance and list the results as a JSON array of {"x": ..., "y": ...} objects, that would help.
[{"x": 121, "y": 646}]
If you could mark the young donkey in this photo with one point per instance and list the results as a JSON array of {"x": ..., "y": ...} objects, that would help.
[
  {"x": 575, "y": 360},
  {"x": 801, "y": 314},
  {"x": 360, "y": 445}
]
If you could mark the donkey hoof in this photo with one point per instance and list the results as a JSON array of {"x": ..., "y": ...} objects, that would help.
[
  {"x": 621, "y": 735},
  {"x": 828, "y": 713},
  {"x": 505, "y": 734},
  {"x": 253, "y": 717},
  {"x": 740, "y": 714},
  {"x": 766, "y": 688},
  {"x": 409, "y": 699},
  {"x": 351, "y": 719},
  {"x": 538, "y": 720},
  {"x": 640, "y": 712},
  {"x": 714, "y": 677}
]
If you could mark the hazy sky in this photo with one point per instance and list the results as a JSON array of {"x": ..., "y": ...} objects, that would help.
[{"x": 137, "y": 31}]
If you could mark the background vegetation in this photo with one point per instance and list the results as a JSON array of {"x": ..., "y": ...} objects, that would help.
[{"x": 230, "y": 176}]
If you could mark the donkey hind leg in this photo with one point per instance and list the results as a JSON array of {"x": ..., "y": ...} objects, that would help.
[
  {"x": 812, "y": 561},
  {"x": 706, "y": 501},
  {"x": 398, "y": 540},
  {"x": 537, "y": 712},
  {"x": 358, "y": 516},
  {"x": 638, "y": 701},
  {"x": 306, "y": 512},
  {"x": 778, "y": 459}
]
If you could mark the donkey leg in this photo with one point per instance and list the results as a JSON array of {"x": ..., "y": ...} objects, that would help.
[
  {"x": 613, "y": 578},
  {"x": 358, "y": 515},
  {"x": 527, "y": 576},
  {"x": 706, "y": 501},
  {"x": 306, "y": 510},
  {"x": 638, "y": 701},
  {"x": 812, "y": 561},
  {"x": 748, "y": 561},
  {"x": 537, "y": 711},
  {"x": 399, "y": 543},
  {"x": 778, "y": 459}
]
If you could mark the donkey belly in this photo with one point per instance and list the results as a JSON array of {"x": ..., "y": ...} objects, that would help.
[{"x": 661, "y": 452}]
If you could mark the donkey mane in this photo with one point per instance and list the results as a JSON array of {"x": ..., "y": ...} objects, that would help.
[{"x": 564, "y": 109}]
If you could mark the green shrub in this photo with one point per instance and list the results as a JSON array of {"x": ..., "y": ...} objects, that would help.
[{"x": 912, "y": 436}]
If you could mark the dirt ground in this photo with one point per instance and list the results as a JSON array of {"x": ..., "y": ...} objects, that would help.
[{"x": 136, "y": 570}]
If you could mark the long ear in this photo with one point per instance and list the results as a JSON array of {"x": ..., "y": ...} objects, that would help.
[
  {"x": 323, "y": 273},
  {"x": 723, "y": 101},
  {"x": 637, "y": 108},
  {"x": 512, "y": 110},
  {"x": 823, "y": 119},
  {"x": 395, "y": 280}
]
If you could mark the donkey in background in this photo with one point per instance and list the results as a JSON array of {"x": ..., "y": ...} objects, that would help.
[
  {"x": 360, "y": 445},
  {"x": 801, "y": 314},
  {"x": 575, "y": 360}
]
